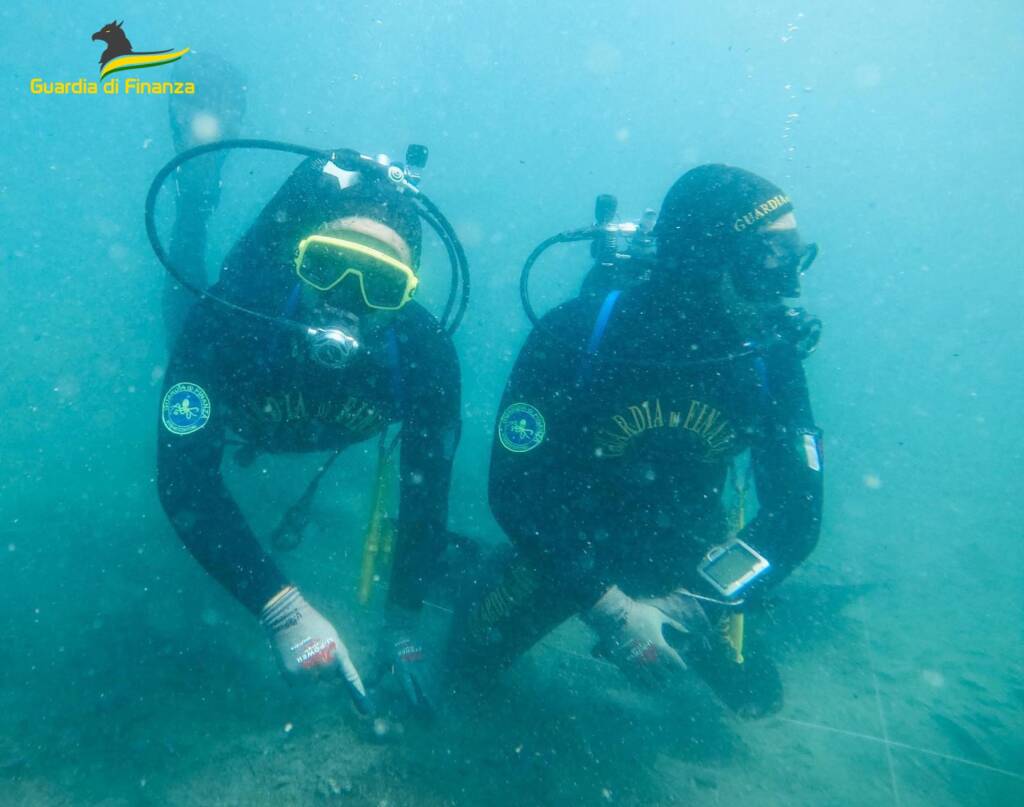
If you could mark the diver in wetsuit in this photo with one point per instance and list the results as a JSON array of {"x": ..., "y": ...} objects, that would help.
[
  {"x": 616, "y": 433},
  {"x": 339, "y": 250}
]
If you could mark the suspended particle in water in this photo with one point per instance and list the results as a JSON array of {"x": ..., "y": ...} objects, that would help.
[
  {"x": 933, "y": 678},
  {"x": 205, "y": 128},
  {"x": 471, "y": 232},
  {"x": 603, "y": 59},
  {"x": 288, "y": 727},
  {"x": 872, "y": 481},
  {"x": 867, "y": 76}
]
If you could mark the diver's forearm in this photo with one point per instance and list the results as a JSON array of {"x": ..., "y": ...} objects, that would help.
[
  {"x": 187, "y": 251},
  {"x": 187, "y": 246},
  {"x": 233, "y": 557},
  {"x": 213, "y": 529}
]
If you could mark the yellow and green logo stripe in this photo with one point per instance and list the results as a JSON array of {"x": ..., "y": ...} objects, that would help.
[{"x": 136, "y": 61}]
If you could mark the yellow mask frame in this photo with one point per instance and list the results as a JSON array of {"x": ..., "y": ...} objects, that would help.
[{"x": 344, "y": 245}]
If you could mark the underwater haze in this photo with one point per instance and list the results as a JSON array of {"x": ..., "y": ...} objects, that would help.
[{"x": 128, "y": 676}]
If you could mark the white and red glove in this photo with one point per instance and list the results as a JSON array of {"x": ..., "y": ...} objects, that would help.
[
  {"x": 307, "y": 645},
  {"x": 631, "y": 634}
]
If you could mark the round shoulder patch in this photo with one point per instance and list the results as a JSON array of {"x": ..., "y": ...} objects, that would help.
[
  {"x": 186, "y": 408},
  {"x": 521, "y": 428}
]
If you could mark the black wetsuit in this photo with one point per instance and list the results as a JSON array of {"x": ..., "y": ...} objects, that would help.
[
  {"x": 640, "y": 423},
  {"x": 263, "y": 388}
]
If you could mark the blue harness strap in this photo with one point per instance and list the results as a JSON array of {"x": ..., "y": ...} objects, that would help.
[
  {"x": 292, "y": 303},
  {"x": 596, "y": 335}
]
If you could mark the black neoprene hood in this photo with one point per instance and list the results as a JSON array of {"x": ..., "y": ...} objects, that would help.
[{"x": 714, "y": 206}]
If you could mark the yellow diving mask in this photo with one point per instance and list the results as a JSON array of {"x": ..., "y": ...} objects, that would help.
[{"x": 386, "y": 283}]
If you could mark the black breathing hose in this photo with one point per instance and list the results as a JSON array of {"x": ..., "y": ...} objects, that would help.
[
  {"x": 347, "y": 159},
  {"x": 456, "y": 256},
  {"x": 584, "y": 234}
]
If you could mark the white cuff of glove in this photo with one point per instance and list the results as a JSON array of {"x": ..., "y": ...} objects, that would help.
[{"x": 609, "y": 611}]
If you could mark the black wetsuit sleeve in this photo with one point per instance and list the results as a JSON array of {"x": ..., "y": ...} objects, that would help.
[
  {"x": 431, "y": 426},
  {"x": 533, "y": 487},
  {"x": 187, "y": 250},
  {"x": 190, "y": 483},
  {"x": 788, "y": 467}
]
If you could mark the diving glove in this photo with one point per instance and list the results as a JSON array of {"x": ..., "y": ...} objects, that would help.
[
  {"x": 405, "y": 670},
  {"x": 307, "y": 645},
  {"x": 631, "y": 634}
]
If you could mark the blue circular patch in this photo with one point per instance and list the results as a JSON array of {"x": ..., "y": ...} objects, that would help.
[
  {"x": 521, "y": 428},
  {"x": 186, "y": 408}
]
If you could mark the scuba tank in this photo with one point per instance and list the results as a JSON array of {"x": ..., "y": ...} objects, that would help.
[{"x": 622, "y": 252}]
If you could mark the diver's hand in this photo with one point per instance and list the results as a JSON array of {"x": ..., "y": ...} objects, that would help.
[
  {"x": 685, "y": 609},
  {"x": 632, "y": 636},
  {"x": 307, "y": 645},
  {"x": 405, "y": 669}
]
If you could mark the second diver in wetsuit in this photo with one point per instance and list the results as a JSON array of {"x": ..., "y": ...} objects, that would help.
[{"x": 617, "y": 430}]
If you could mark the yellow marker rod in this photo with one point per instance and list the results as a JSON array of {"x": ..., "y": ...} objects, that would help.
[
  {"x": 734, "y": 628},
  {"x": 378, "y": 538}
]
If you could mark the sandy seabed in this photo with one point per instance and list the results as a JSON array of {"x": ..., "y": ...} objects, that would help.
[{"x": 125, "y": 687}]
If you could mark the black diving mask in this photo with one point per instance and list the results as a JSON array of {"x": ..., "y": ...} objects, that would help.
[{"x": 771, "y": 264}]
